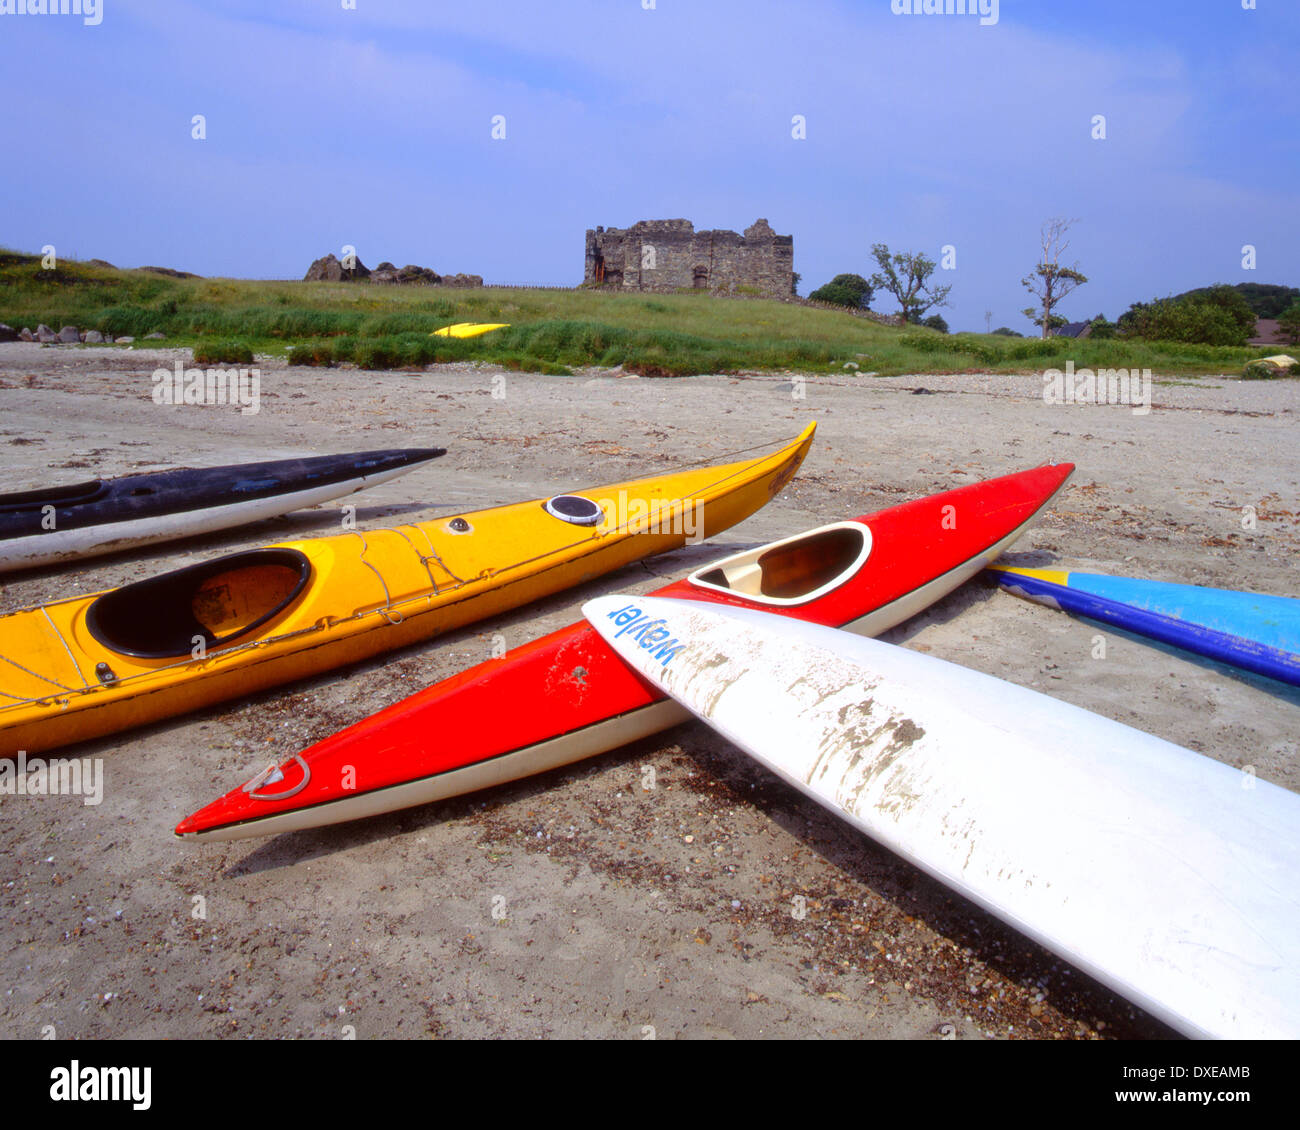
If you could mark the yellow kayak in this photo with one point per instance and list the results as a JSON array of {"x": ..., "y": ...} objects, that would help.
[
  {"x": 93, "y": 665},
  {"x": 469, "y": 329}
]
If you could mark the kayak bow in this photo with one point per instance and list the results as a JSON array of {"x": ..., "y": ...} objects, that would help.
[
  {"x": 1253, "y": 631},
  {"x": 58, "y": 524}
]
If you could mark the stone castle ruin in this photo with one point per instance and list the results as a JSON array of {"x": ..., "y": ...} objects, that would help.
[{"x": 672, "y": 255}]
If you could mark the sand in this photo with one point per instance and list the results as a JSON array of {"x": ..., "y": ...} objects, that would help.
[{"x": 719, "y": 903}]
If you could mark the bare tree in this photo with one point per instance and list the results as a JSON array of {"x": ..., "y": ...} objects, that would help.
[
  {"x": 1050, "y": 281},
  {"x": 906, "y": 277}
]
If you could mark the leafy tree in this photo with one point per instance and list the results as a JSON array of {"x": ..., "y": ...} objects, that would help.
[
  {"x": 854, "y": 282},
  {"x": 837, "y": 296},
  {"x": 907, "y": 278},
  {"x": 845, "y": 290},
  {"x": 1215, "y": 316},
  {"x": 1050, "y": 282},
  {"x": 1007, "y": 331},
  {"x": 1289, "y": 324},
  {"x": 1266, "y": 300},
  {"x": 1102, "y": 329},
  {"x": 935, "y": 322}
]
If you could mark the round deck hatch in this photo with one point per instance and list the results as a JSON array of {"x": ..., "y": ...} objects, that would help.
[{"x": 575, "y": 509}]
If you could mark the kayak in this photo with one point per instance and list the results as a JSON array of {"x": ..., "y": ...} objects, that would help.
[
  {"x": 469, "y": 328},
  {"x": 57, "y": 524},
  {"x": 1164, "y": 874},
  {"x": 570, "y": 697},
  {"x": 93, "y": 665},
  {"x": 1254, "y": 631}
]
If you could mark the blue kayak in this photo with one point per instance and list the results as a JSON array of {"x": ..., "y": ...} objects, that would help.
[{"x": 1253, "y": 631}]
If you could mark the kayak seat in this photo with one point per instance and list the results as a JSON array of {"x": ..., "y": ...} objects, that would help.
[
  {"x": 215, "y": 602},
  {"x": 803, "y": 566},
  {"x": 744, "y": 577}
]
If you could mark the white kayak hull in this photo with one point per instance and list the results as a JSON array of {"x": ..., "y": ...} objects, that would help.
[{"x": 1166, "y": 875}]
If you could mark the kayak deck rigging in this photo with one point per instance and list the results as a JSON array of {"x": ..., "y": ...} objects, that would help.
[
  {"x": 46, "y": 678},
  {"x": 424, "y": 559}
]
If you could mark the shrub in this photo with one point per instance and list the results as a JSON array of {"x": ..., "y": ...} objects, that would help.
[
  {"x": 377, "y": 355},
  {"x": 520, "y": 363},
  {"x": 924, "y": 343},
  {"x": 836, "y": 296},
  {"x": 852, "y": 291},
  {"x": 1215, "y": 316},
  {"x": 222, "y": 352},
  {"x": 1289, "y": 324},
  {"x": 1035, "y": 347},
  {"x": 312, "y": 353}
]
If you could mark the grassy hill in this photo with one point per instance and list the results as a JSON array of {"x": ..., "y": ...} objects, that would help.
[{"x": 551, "y": 330}]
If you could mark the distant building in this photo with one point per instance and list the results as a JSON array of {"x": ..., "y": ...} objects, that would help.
[
  {"x": 672, "y": 255},
  {"x": 1073, "y": 329}
]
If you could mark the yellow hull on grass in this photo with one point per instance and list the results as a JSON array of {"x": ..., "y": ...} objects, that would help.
[
  {"x": 469, "y": 329},
  {"x": 93, "y": 665}
]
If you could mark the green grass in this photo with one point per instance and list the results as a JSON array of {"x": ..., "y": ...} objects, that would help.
[{"x": 551, "y": 331}]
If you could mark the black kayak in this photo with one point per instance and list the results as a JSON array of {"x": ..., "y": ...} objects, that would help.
[{"x": 42, "y": 527}]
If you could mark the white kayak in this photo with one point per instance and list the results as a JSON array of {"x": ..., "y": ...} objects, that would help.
[{"x": 1168, "y": 876}]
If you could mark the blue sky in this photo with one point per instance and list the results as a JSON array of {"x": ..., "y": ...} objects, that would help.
[{"x": 372, "y": 127}]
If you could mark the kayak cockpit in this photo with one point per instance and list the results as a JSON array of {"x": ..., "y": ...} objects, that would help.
[
  {"x": 215, "y": 602},
  {"x": 53, "y": 496},
  {"x": 793, "y": 571}
]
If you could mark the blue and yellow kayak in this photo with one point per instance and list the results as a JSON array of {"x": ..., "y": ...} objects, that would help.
[{"x": 1253, "y": 631}]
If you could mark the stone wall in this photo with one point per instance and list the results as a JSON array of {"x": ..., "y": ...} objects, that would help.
[{"x": 672, "y": 255}]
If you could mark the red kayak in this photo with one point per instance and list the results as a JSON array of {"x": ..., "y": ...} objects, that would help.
[{"x": 568, "y": 696}]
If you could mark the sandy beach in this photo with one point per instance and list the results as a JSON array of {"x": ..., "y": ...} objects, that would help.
[{"x": 720, "y": 903}]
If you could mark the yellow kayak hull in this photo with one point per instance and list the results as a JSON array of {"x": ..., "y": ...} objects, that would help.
[
  {"x": 76, "y": 669},
  {"x": 469, "y": 329}
]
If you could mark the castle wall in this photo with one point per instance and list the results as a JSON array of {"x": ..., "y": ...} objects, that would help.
[{"x": 671, "y": 255}]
